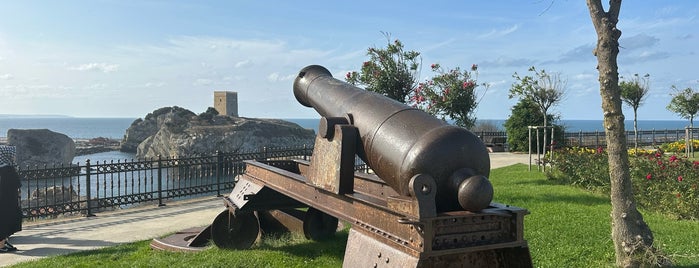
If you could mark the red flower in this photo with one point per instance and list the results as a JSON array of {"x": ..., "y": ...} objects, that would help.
[
  {"x": 648, "y": 177},
  {"x": 433, "y": 66},
  {"x": 679, "y": 178},
  {"x": 673, "y": 158},
  {"x": 600, "y": 150},
  {"x": 474, "y": 67},
  {"x": 349, "y": 74}
]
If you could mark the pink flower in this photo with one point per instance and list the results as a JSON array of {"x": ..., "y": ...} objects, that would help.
[
  {"x": 679, "y": 178},
  {"x": 600, "y": 150},
  {"x": 433, "y": 66},
  {"x": 349, "y": 74},
  {"x": 648, "y": 177}
]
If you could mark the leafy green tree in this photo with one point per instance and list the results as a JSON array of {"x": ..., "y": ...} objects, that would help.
[
  {"x": 449, "y": 94},
  {"x": 633, "y": 93},
  {"x": 524, "y": 114},
  {"x": 545, "y": 90},
  {"x": 685, "y": 103},
  {"x": 392, "y": 72}
]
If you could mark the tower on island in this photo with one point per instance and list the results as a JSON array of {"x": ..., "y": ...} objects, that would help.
[{"x": 226, "y": 102}]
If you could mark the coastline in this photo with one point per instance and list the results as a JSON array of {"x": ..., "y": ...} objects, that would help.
[{"x": 88, "y": 146}]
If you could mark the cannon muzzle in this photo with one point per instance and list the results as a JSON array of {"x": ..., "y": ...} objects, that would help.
[{"x": 400, "y": 142}]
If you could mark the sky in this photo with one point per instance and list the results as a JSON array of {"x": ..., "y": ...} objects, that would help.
[{"x": 124, "y": 58}]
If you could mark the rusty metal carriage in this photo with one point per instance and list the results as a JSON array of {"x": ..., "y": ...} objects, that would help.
[{"x": 427, "y": 202}]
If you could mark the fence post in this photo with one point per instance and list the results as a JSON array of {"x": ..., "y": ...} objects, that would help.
[
  {"x": 160, "y": 181},
  {"x": 219, "y": 171},
  {"x": 88, "y": 185},
  {"x": 597, "y": 139}
]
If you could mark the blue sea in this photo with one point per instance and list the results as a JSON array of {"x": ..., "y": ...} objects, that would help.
[{"x": 115, "y": 128}]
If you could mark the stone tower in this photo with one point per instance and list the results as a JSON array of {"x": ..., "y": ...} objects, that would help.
[{"x": 226, "y": 102}]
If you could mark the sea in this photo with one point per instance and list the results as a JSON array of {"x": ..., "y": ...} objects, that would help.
[{"x": 115, "y": 128}]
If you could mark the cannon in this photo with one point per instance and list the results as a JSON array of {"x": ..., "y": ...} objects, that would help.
[{"x": 426, "y": 201}]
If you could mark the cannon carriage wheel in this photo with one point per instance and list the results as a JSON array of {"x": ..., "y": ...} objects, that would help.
[
  {"x": 318, "y": 226},
  {"x": 237, "y": 230}
]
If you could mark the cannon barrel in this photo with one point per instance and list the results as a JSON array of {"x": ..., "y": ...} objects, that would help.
[{"x": 399, "y": 142}]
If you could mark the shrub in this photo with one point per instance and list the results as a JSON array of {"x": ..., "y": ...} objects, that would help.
[
  {"x": 663, "y": 183},
  {"x": 679, "y": 146},
  {"x": 667, "y": 183},
  {"x": 583, "y": 167},
  {"x": 524, "y": 114}
]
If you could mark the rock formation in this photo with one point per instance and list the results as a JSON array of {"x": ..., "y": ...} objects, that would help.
[
  {"x": 38, "y": 147},
  {"x": 177, "y": 132}
]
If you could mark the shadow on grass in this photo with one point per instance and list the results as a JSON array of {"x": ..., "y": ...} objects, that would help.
[
  {"x": 554, "y": 198},
  {"x": 333, "y": 246}
]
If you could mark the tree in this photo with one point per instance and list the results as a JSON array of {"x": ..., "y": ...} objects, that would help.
[
  {"x": 685, "y": 103},
  {"x": 391, "y": 72},
  {"x": 633, "y": 239},
  {"x": 524, "y": 114},
  {"x": 450, "y": 94},
  {"x": 633, "y": 93},
  {"x": 545, "y": 90}
]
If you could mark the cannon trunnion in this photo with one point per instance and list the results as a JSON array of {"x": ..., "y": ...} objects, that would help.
[{"x": 426, "y": 204}]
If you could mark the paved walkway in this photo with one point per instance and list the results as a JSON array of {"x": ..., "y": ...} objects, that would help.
[{"x": 49, "y": 238}]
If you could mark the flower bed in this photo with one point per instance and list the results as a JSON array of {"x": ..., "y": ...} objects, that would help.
[{"x": 662, "y": 182}]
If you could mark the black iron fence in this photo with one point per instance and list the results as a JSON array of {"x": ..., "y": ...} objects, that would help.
[
  {"x": 597, "y": 139},
  {"x": 86, "y": 188}
]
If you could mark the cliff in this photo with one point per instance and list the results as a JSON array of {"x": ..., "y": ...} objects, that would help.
[{"x": 177, "y": 132}]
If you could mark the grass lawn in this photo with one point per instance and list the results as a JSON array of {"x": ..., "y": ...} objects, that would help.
[{"x": 567, "y": 227}]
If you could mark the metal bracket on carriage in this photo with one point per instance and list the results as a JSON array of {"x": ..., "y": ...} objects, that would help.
[
  {"x": 421, "y": 203},
  {"x": 335, "y": 146}
]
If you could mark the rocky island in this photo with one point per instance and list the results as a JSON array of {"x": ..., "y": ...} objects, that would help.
[{"x": 178, "y": 132}]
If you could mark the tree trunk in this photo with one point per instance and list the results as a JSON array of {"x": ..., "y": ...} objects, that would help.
[
  {"x": 632, "y": 237},
  {"x": 544, "y": 150},
  {"x": 635, "y": 130}
]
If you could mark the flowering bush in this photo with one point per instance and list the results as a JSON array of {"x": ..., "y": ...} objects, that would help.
[
  {"x": 667, "y": 183},
  {"x": 392, "y": 72},
  {"x": 449, "y": 94},
  {"x": 580, "y": 166},
  {"x": 664, "y": 183},
  {"x": 679, "y": 146}
]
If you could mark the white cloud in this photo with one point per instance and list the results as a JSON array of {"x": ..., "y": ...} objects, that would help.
[
  {"x": 495, "y": 33},
  {"x": 154, "y": 84},
  {"x": 102, "y": 67},
  {"x": 203, "y": 82},
  {"x": 241, "y": 64},
  {"x": 6, "y": 76},
  {"x": 275, "y": 77}
]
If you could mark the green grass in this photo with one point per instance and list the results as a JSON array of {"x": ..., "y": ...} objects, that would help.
[
  {"x": 570, "y": 227},
  {"x": 567, "y": 227}
]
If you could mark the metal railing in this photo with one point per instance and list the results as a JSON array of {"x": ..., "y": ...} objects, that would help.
[
  {"x": 83, "y": 189},
  {"x": 597, "y": 138}
]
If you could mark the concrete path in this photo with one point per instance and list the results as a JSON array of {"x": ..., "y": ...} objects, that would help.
[{"x": 50, "y": 238}]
